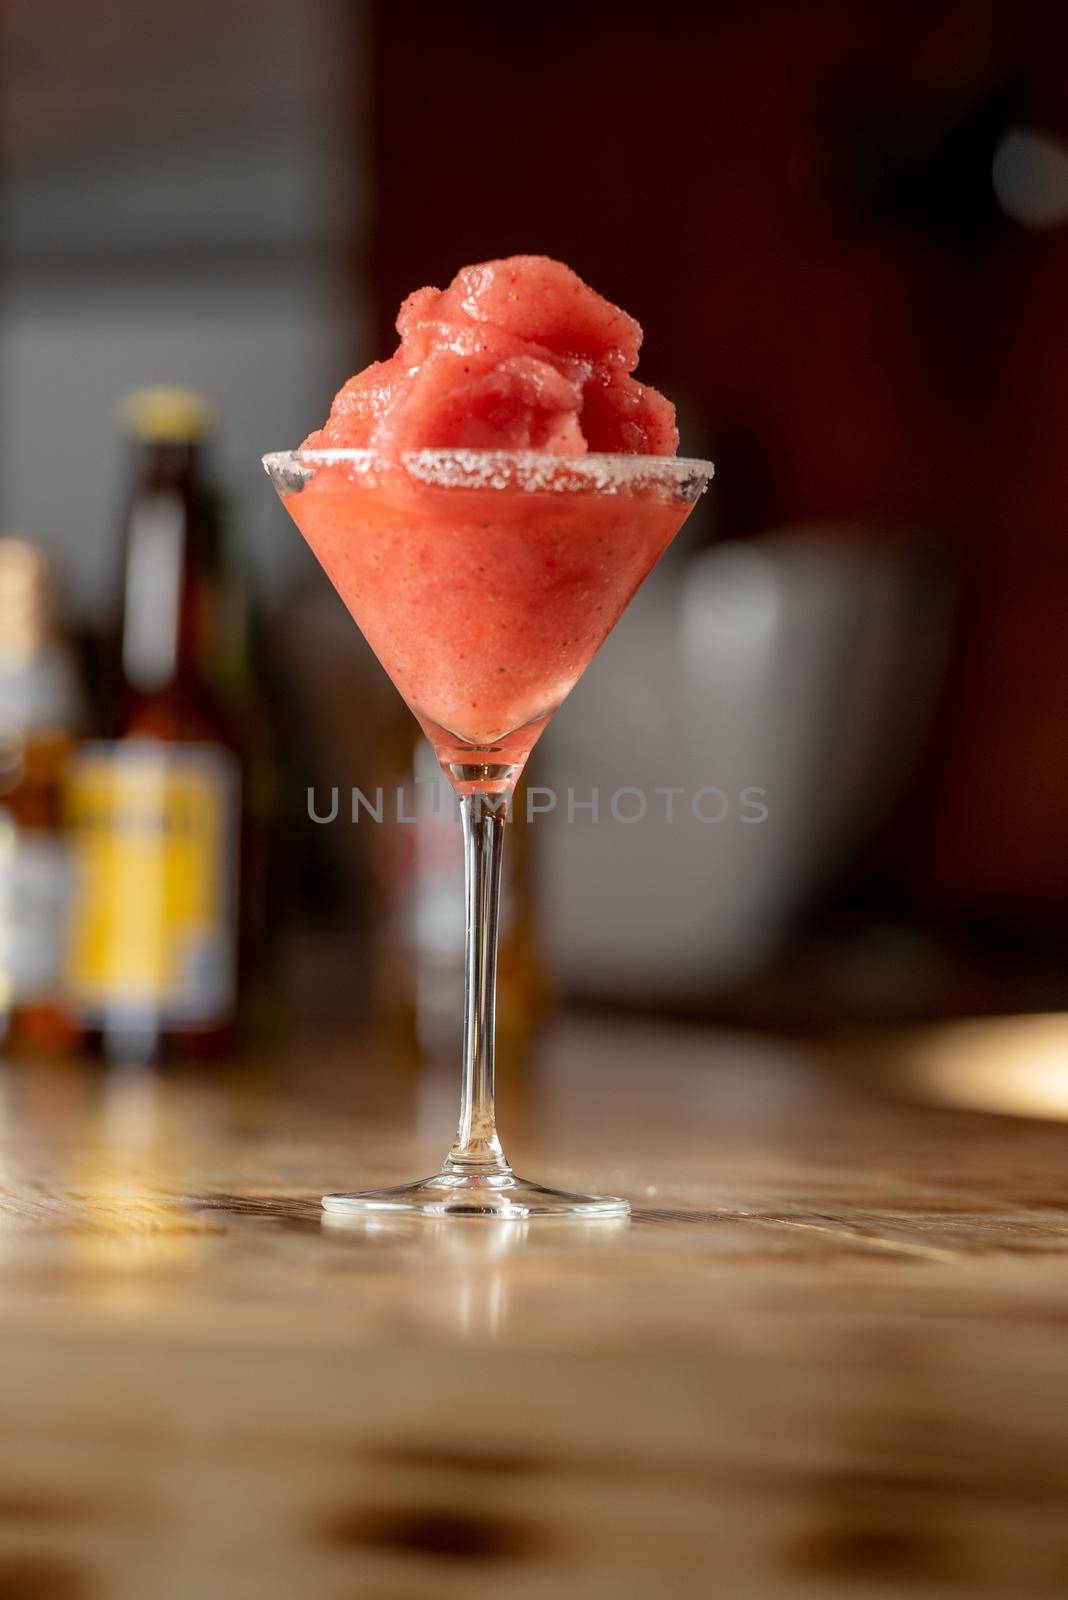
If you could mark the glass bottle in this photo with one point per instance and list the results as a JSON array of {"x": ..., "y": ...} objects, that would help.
[
  {"x": 155, "y": 811},
  {"x": 420, "y": 872},
  {"x": 40, "y": 707}
]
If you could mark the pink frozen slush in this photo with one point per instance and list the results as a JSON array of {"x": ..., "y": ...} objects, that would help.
[{"x": 485, "y": 604}]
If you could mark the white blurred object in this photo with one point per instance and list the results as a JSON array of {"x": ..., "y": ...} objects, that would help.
[
  {"x": 804, "y": 665},
  {"x": 1030, "y": 177}
]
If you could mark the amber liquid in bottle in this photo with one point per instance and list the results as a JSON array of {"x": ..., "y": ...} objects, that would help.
[{"x": 39, "y": 711}]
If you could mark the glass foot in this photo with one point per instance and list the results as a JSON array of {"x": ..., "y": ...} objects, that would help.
[{"x": 465, "y": 1194}]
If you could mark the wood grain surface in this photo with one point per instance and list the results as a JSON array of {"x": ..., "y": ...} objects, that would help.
[{"x": 827, "y": 1356}]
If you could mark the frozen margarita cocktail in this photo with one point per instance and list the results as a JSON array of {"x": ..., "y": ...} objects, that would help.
[
  {"x": 486, "y": 502},
  {"x": 485, "y": 608}
]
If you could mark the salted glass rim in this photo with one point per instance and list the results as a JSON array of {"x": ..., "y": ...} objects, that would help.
[{"x": 502, "y": 469}]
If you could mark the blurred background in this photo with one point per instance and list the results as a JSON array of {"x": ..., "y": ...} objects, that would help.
[{"x": 845, "y": 232}]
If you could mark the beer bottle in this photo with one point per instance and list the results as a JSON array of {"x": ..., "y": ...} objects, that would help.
[
  {"x": 40, "y": 708},
  {"x": 154, "y": 811}
]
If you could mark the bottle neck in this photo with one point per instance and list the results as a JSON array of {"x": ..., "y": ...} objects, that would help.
[{"x": 168, "y": 576}]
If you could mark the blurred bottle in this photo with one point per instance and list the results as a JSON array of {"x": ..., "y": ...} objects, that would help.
[
  {"x": 40, "y": 707},
  {"x": 238, "y": 673},
  {"x": 420, "y": 874},
  {"x": 155, "y": 812}
]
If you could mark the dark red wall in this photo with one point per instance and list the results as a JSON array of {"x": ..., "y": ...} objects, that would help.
[{"x": 795, "y": 201}]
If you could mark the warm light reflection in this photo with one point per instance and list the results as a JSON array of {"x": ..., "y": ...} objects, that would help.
[
  {"x": 127, "y": 1223},
  {"x": 1014, "y": 1065}
]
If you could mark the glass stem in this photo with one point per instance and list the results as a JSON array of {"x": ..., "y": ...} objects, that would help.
[{"x": 477, "y": 1147}]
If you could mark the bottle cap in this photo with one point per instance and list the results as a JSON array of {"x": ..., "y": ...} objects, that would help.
[{"x": 162, "y": 414}]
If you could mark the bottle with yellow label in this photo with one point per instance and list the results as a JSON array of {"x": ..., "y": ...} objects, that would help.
[{"x": 155, "y": 812}]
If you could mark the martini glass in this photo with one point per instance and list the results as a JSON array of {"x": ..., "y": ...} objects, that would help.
[{"x": 484, "y": 581}]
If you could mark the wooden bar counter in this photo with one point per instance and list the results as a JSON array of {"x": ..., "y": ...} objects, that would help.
[{"x": 828, "y": 1356}]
